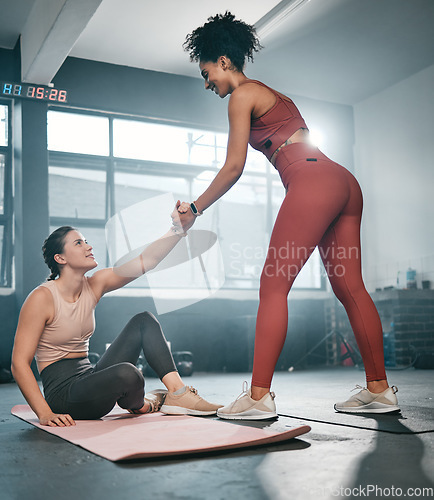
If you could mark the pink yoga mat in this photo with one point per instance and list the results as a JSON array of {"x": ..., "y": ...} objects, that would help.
[{"x": 122, "y": 436}]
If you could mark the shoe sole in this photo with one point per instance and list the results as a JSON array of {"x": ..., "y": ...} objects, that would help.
[
  {"x": 375, "y": 408},
  {"x": 179, "y": 410},
  {"x": 243, "y": 416}
]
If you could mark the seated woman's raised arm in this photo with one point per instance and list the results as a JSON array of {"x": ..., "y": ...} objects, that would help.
[{"x": 109, "y": 279}]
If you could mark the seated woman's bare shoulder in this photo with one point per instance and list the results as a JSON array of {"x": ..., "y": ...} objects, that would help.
[{"x": 40, "y": 303}]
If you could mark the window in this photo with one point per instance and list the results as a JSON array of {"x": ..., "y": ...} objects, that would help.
[
  {"x": 76, "y": 133},
  {"x": 5, "y": 195},
  {"x": 101, "y": 164},
  {"x": 77, "y": 193}
]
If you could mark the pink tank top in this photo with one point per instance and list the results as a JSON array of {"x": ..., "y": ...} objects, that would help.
[
  {"x": 272, "y": 129},
  {"x": 72, "y": 326}
]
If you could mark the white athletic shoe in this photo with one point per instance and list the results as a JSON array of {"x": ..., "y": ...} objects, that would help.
[
  {"x": 246, "y": 408},
  {"x": 366, "y": 401}
]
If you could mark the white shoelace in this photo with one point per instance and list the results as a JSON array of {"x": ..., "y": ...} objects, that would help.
[
  {"x": 358, "y": 387},
  {"x": 245, "y": 392}
]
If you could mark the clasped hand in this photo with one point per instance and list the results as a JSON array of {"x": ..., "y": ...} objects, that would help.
[{"x": 182, "y": 216}]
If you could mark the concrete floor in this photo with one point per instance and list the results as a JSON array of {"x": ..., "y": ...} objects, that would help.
[{"x": 335, "y": 460}]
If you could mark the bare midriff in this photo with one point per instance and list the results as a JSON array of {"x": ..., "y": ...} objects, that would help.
[
  {"x": 71, "y": 355},
  {"x": 300, "y": 135}
]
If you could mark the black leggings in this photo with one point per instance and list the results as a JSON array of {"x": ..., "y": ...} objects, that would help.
[{"x": 73, "y": 386}]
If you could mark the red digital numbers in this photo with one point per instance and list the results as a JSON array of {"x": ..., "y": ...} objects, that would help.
[
  {"x": 53, "y": 95},
  {"x": 62, "y": 96},
  {"x": 40, "y": 91},
  {"x": 31, "y": 92}
]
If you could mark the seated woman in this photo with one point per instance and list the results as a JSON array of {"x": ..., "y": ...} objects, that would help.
[{"x": 56, "y": 322}]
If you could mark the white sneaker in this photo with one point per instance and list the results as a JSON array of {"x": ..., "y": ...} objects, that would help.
[
  {"x": 366, "y": 401},
  {"x": 246, "y": 408}
]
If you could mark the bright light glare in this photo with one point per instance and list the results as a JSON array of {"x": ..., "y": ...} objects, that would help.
[
  {"x": 166, "y": 143},
  {"x": 3, "y": 125},
  {"x": 77, "y": 133},
  {"x": 316, "y": 138}
]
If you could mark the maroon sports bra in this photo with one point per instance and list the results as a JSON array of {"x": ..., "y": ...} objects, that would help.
[{"x": 278, "y": 124}]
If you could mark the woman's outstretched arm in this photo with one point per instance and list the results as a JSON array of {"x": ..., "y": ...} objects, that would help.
[
  {"x": 109, "y": 279},
  {"x": 240, "y": 109}
]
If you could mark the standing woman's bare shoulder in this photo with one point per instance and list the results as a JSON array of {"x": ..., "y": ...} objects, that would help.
[
  {"x": 246, "y": 92},
  {"x": 256, "y": 97},
  {"x": 242, "y": 103}
]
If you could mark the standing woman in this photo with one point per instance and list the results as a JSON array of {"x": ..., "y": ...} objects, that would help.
[
  {"x": 56, "y": 322},
  {"x": 322, "y": 207}
]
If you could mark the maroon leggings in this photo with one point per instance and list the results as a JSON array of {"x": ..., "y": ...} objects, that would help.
[{"x": 323, "y": 207}]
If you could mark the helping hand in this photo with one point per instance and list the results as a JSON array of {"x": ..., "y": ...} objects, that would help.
[
  {"x": 182, "y": 216},
  {"x": 184, "y": 207}
]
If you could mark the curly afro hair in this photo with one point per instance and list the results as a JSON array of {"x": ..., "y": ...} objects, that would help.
[{"x": 223, "y": 35}]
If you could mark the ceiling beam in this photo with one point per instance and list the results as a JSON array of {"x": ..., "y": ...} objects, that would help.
[
  {"x": 51, "y": 30},
  {"x": 272, "y": 19}
]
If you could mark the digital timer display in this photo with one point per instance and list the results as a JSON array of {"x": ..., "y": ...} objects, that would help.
[{"x": 32, "y": 91}]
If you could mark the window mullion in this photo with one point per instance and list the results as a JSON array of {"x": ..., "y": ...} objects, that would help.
[
  {"x": 7, "y": 243},
  {"x": 110, "y": 182}
]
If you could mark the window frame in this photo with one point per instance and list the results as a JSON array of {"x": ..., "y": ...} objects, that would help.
[{"x": 6, "y": 218}]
